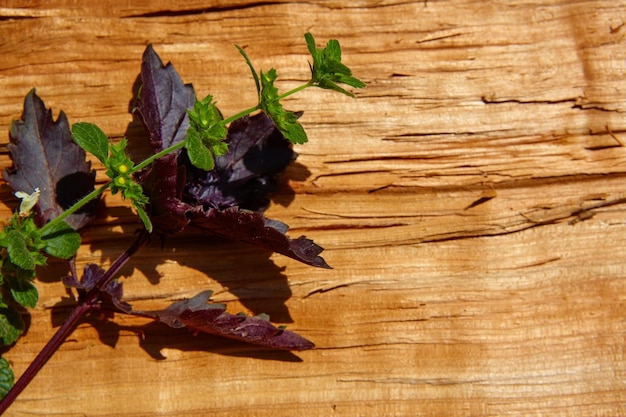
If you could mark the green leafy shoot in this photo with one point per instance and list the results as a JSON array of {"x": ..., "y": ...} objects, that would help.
[
  {"x": 327, "y": 69},
  {"x": 206, "y": 134},
  {"x": 23, "y": 243},
  {"x": 120, "y": 167},
  {"x": 285, "y": 121},
  {"x": 269, "y": 102},
  {"x": 21, "y": 254}
]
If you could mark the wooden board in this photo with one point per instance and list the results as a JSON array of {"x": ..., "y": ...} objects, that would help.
[{"x": 471, "y": 202}]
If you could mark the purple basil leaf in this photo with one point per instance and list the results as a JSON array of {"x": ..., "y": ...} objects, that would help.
[
  {"x": 113, "y": 292},
  {"x": 257, "y": 154},
  {"x": 253, "y": 227},
  {"x": 162, "y": 108},
  {"x": 163, "y": 102},
  {"x": 46, "y": 157},
  {"x": 174, "y": 315},
  {"x": 171, "y": 210},
  {"x": 229, "y": 200},
  {"x": 198, "y": 316},
  {"x": 163, "y": 183},
  {"x": 91, "y": 275}
]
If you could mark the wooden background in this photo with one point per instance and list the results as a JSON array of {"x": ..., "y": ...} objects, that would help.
[{"x": 471, "y": 201}]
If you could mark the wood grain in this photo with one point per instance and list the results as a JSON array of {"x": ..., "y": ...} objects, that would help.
[{"x": 471, "y": 201}]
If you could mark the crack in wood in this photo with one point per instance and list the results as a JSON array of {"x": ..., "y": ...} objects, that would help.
[
  {"x": 415, "y": 381},
  {"x": 326, "y": 289},
  {"x": 486, "y": 100},
  {"x": 200, "y": 11},
  {"x": 577, "y": 103},
  {"x": 438, "y": 38},
  {"x": 16, "y": 17},
  {"x": 478, "y": 202}
]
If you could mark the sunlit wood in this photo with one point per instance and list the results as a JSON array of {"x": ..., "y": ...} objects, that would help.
[{"x": 470, "y": 200}]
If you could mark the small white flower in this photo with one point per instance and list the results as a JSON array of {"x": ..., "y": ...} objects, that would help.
[{"x": 28, "y": 201}]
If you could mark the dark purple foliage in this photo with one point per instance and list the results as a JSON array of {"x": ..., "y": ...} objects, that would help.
[
  {"x": 91, "y": 276},
  {"x": 163, "y": 102},
  {"x": 257, "y": 154},
  {"x": 253, "y": 227},
  {"x": 229, "y": 200},
  {"x": 51, "y": 161},
  {"x": 196, "y": 314}
]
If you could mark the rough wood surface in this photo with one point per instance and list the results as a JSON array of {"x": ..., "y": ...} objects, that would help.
[{"x": 471, "y": 202}]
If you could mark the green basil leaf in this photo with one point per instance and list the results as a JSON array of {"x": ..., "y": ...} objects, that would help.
[
  {"x": 24, "y": 293},
  {"x": 199, "y": 155},
  {"x": 18, "y": 251},
  {"x": 7, "y": 377},
  {"x": 61, "y": 240},
  {"x": 92, "y": 139},
  {"x": 11, "y": 325}
]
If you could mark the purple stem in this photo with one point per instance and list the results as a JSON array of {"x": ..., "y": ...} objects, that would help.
[{"x": 89, "y": 302}]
